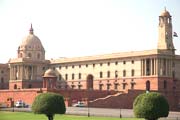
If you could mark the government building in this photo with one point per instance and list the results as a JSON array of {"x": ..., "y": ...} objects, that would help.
[{"x": 108, "y": 80}]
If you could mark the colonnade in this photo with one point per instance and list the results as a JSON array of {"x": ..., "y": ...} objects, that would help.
[
  {"x": 157, "y": 66},
  {"x": 22, "y": 72}
]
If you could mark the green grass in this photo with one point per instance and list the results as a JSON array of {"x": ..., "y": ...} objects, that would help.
[{"x": 32, "y": 116}]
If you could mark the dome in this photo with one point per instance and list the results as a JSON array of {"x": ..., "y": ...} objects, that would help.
[
  {"x": 31, "y": 47},
  {"x": 49, "y": 73},
  {"x": 31, "y": 42},
  {"x": 165, "y": 13}
]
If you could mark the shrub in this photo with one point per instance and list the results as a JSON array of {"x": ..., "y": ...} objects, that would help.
[
  {"x": 49, "y": 104},
  {"x": 150, "y": 106}
]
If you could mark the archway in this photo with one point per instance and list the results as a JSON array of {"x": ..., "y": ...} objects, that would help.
[
  {"x": 148, "y": 85},
  {"x": 89, "y": 82}
]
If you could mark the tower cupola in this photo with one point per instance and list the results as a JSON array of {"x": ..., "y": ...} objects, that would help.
[{"x": 165, "y": 40}]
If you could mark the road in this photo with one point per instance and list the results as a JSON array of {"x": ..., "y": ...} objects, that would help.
[{"x": 126, "y": 113}]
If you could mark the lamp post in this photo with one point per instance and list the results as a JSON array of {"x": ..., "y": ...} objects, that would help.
[
  {"x": 88, "y": 103},
  {"x": 13, "y": 101}
]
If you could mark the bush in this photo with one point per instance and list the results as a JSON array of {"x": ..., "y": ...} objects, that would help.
[
  {"x": 49, "y": 104},
  {"x": 150, "y": 106}
]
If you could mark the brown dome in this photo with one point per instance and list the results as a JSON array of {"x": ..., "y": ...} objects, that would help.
[
  {"x": 165, "y": 13},
  {"x": 49, "y": 73}
]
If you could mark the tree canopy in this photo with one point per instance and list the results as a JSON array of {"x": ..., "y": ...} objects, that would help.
[
  {"x": 150, "y": 106},
  {"x": 49, "y": 104}
]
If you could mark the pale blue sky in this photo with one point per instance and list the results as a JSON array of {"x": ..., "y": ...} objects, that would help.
[{"x": 69, "y": 28}]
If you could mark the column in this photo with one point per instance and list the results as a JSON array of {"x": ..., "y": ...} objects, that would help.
[
  {"x": 151, "y": 66},
  {"x": 145, "y": 67}
]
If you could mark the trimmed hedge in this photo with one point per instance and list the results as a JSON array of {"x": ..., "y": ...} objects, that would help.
[
  {"x": 150, "y": 106},
  {"x": 49, "y": 104}
]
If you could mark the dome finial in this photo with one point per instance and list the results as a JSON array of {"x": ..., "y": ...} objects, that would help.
[{"x": 31, "y": 29}]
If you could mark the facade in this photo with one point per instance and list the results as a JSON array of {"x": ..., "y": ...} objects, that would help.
[{"x": 156, "y": 70}]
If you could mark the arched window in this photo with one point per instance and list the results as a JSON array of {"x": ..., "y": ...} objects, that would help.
[
  {"x": 148, "y": 85},
  {"x": 15, "y": 86}
]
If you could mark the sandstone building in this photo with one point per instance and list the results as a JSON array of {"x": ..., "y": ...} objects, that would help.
[{"x": 156, "y": 70}]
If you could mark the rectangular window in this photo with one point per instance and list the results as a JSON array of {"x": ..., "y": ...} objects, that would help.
[
  {"x": 101, "y": 75},
  {"x": 60, "y": 77},
  {"x": 79, "y": 75},
  {"x": 73, "y": 76},
  {"x": 66, "y": 76}
]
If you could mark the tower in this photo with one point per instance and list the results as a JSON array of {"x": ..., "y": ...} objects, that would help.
[
  {"x": 26, "y": 70},
  {"x": 165, "y": 41}
]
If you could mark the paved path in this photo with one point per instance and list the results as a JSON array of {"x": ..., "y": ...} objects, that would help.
[{"x": 100, "y": 112}]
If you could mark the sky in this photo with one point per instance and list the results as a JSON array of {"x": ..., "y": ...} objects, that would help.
[{"x": 75, "y": 28}]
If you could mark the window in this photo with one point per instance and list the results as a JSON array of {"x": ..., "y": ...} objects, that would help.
[
  {"x": 60, "y": 77},
  {"x": 108, "y": 63},
  {"x": 132, "y": 72},
  {"x": 116, "y": 74},
  {"x": 79, "y": 85},
  {"x": 132, "y": 84},
  {"x": 101, "y": 64},
  {"x": 29, "y": 86},
  {"x": 72, "y": 66},
  {"x": 124, "y": 86},
  {"x": 148, "y": 85},
  {"x": 79, "y": 75},
  {"x": 59, "y": 67},
  {"x": 132, "y": 61},
  {"x": 94, "y": 65},
  {"x": 116, "y": 63},
  {"x": 73, "y": 76},
  {"x": 100, "y": 86},
  {"x": 53, "y": 68},
  {"x": 66, "y": 67},
  {"x": 115, "y": 86},
  {"x": 2, "y": 80},
  {"x": 124, "y": 73},
  {"x": 29, "y": 55},
  {"x": 66, "y": 76},
  {"x": 108, "y": 86},
  {"x": 2, "y": 71},
  {"x": 38, "y": 56},
  {"x": 15, "y": 86},
  {"x": 79, "y": 66},
  {"x": 43, "y": 68},
  {"x": 108, "y": 74},
  {"x": 124, "y": 62},
  {"x": 86, "y": 65},
  {"x": 101, "y": 74},
  {"x": 165, "y": 84}
]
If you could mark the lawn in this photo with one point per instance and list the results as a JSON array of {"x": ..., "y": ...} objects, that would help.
[{"x": 31, "y": 116}]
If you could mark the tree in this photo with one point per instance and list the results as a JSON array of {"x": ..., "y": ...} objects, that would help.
[
  {"x": 49, "y": 104},
  {"x": 150, "y": 106}
]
